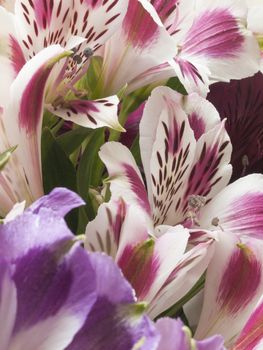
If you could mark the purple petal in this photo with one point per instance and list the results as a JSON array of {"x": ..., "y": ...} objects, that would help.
[
  {"x": 8, "y": 304},
  {"x": 240, "y": 102},
  {"x": 60, "y": 201},
  {"x": 108, "y": 277},
  {"x": 114, "y": 323},
  {"x": 30, "y": 230},
  {"x": 49, "y": 286},
  {"x": 172, "y": 335},
  {"x": 213, "y": 343}
]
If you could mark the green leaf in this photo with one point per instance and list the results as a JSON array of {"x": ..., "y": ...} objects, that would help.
[
  {"x": 4, "y": 157},
  {"x": 175, "y": 84},
  {"x": 73, "y": 139},
  {"x": 58, "y": 171},
  {"x": 89, "y": 173}
]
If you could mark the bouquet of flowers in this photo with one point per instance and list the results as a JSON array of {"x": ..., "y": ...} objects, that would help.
[{"x": 131, "y": 174}]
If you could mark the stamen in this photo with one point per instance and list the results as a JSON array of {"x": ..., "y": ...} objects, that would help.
[
  {"x": 88, "y": 52},
  {"x": 215, "y": 222},
  {"x": 195, "y": 203},
  {"x": 77, "y": 59}
]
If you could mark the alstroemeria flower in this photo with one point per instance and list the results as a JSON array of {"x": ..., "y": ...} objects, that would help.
[
  {"x": 234, "y": 280},
  {"x": 36, "y": 25},
  {"x": 140, "y": 45},
  {"x": 51, "y": 289},
  {"x": 159, "y": 269},
  {"x": 176, "y": 336},
  {"x": 240, "y": 102},
  {"x": 185, "y": 153},
  {"x": 213, "y": 42}
]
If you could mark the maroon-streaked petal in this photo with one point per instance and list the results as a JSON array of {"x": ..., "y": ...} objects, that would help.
[
  {"x": 42, "y": 23},
  {"x": 234, "y": 284},
  {"x": 240, "y": 102},
  {"x": 13, "y": 183},
  {"x": 126, "y": 180},
  {"x": 142, "y": 44},
  {"x": 24, "y": 115},
  {"x": 148, "y": 264},
  {"x": 11, "y": 52},
  {"x": 182, "y": 278},
  {"x": 98, "y": 20},
  {"x": 251, "y": 336},
  {"x": 132, "y": 126},
  {"x": 210, "y": 169},
  {"x": 237, "y": 209},
  {"x": 91, "y": 114},
  {"x": 116, "y": 225},
  {"x": 218, "y": 41},
  {"x": 167, "y": 146}
]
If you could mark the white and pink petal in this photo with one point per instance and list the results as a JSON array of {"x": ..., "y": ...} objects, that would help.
[
  {"x": 167, "y": 146},
  {"x": 237, "y": 209},
  {"x": 124, "y": 175},
  {"x": 90, "y": 114},
  {"x": 234, "y": 284}
]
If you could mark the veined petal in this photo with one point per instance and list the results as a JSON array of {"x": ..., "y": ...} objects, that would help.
[
  {"x": 97, "y": 20},
  {"x": 167, "y": 146},
  {"x": 91, "y": 114},
  {"x": 233, "y": 287},
  {"x": 23, "y": 111},
  {"x": 252, "y": 334},
  {"x": 125, "y": 177},
  {"x": 218, "y": 41},
  {"x": 142, "y": 43},
  {"x": 240, "y": 101},
  {"x": 185, "y": 274},
  {"x": 116, "y": 225},
  {"x": 42, "y": 23},
  {"x": 210, "y": 170},
  {"x": 149, "y": 264},
  {"x": 11, "y": 54},
  {"x": 237, "y": 209},
  {"x": 8, "y": 304}
]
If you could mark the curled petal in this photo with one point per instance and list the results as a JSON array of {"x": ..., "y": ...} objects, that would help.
[{"x": 90, "y": 114}]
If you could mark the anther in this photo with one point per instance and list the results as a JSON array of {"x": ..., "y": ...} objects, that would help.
[
  {"x": 88, "y": 52},
  {"x": 77, "y": 59}
]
